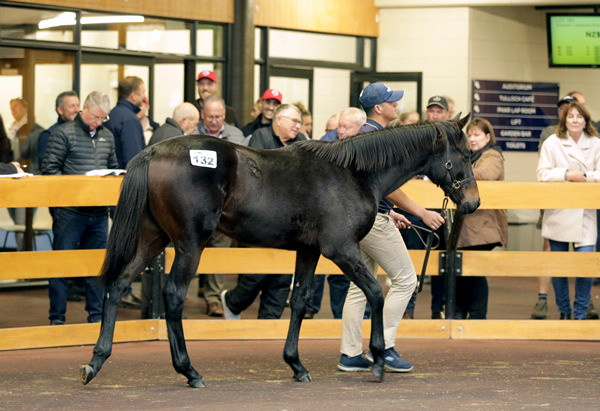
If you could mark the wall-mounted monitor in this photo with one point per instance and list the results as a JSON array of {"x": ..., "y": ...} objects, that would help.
[{"x": 573, "y": 40}]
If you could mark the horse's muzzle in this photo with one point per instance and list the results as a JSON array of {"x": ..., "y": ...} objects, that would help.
[{"x": 468, "y": 207}]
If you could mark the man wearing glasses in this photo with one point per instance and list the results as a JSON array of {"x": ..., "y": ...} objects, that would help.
[
  {"x": 76, "y": 147},
  {"x": 284, "y": 130},
  {"x": 213, "y": 124},
  {"x": 273, "y": 288}
]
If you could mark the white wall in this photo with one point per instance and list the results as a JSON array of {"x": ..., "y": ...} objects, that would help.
[{"x": 455, "y": 45}]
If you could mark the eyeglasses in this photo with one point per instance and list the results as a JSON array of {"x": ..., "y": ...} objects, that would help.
[
  {"x": 214, "y": 118},
  {"x": 98, "y": 118},
  {"x": 294, "y": 120}
]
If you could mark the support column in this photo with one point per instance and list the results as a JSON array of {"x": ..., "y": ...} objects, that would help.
[{"x": 240, "y": 93}]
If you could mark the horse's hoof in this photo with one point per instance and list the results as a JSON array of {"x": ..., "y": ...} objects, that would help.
[
  {"x": 303, "y": 378},
  {"x": 87, "y": 373},
  {"x": 197, "y": 383},
  {"x": 378, "y": 372}
]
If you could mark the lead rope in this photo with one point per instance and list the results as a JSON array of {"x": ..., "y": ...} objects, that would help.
[{"x": 430, "y": 235}]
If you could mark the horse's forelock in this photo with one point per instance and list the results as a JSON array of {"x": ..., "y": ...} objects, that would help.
[{"x": 376, "y": 149}]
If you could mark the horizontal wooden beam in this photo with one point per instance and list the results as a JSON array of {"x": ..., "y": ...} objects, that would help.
[
  {"x": 59, "y": 191},
  {"x": 85, "y": 263},
  {"x": 208, "y": 10},
  {"x": 78, "y": 190},
  {"x": 153, "y": 330},
  {"x": 351, "y": 17}
]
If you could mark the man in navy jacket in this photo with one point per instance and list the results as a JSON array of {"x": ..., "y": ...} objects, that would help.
[{"x": 123, "y": 121}]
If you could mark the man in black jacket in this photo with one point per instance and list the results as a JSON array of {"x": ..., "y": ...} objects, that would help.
[{"x": 77, "y": 147}]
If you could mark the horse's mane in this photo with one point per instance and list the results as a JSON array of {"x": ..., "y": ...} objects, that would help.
[{"x": 380, "y": 148}]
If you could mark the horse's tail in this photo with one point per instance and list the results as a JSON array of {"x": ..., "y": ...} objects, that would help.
[{"x": 127, "y": 223}]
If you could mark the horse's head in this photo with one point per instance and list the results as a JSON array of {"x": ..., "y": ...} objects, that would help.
[{"x": 450, "y": 167}]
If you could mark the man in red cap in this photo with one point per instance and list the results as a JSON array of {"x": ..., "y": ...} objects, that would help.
[
  {"x": 271, "y": 99},
  {"x": 207, "y": 86}
]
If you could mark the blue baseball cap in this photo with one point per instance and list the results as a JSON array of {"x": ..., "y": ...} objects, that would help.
[{"x": 377, "y": 93}]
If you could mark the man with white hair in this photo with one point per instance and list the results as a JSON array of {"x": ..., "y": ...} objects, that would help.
[
  {"x": 185, "y": 121},
  {"x": 349, "y": 122},
  {"x": 76, "y": 147}
]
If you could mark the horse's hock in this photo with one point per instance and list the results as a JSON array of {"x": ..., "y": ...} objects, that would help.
[{"x": 59, "y": 191}]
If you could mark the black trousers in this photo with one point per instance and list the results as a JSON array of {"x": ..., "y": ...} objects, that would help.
[
  {"x": 273, "y": 288},
  {"x": 472, "y": 292}
]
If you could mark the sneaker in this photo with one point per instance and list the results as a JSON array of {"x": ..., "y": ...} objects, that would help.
[
  {"x": 564, "y": 316},
  {"x": 357, "y": 364},
  {"x": 592, "y": 314},
  {"x": 393, "y": 361},
  {"x": 540, "y": 310},
  {"x": 226, "y": 311},
  {"x": 438, "y": 315}
]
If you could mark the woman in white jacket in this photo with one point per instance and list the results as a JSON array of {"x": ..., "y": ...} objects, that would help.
[{"x": 572, "y": 154}]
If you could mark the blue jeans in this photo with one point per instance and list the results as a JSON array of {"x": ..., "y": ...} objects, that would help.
[
  {"x": 77, "y": 231},
  {"x": 338, "y": 288},
  {"x": 583, "y": 286}
]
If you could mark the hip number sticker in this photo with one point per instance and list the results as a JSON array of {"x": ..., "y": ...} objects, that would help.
[{"x": 203, "y": 158}]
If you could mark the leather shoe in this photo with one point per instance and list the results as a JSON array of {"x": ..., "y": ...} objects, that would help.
[{"x": 214, "y": 310}]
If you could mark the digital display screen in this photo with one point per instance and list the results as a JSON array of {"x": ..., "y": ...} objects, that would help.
[{"x": 573, "y": 40}]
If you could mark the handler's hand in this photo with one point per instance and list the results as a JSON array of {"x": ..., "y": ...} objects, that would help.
[
  {"x": 399, "y": 220},
  {"x": 432, "y": 219}
]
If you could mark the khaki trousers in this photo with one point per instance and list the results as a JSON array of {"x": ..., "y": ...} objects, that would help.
[{"x": 385, "y": 247}]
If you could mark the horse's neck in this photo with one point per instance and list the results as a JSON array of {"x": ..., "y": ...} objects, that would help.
[{"x": 390, "y": 179}]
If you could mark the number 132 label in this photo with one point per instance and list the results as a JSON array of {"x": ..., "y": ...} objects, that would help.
[{"x": 203, "y": 158}]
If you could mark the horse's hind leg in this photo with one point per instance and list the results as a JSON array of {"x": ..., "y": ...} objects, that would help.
[
  {"x": 175, "y": 291},
  {"x": 306, "y": 262},
  {"x": 112, "y": 296}
]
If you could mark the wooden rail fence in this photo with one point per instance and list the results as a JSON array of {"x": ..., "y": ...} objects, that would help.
[{"x": 56, "y": 191}]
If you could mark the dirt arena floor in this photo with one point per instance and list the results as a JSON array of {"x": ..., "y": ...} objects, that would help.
[{"x": 251, "y": 375}]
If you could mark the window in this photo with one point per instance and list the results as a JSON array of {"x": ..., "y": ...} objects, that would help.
[{"x": 34, "y": 24}]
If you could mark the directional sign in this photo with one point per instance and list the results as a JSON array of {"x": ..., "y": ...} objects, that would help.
[{"x": 518, "y": 111}]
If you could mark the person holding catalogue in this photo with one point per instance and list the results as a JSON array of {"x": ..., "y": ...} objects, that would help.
[
  {"x": 77, "y": 147},
  {"x": 571, "y": 154}
]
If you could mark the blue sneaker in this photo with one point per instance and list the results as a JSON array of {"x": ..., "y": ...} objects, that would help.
[
  {"x": 358, "y": 363},
  {"x": 393, "y": 362}
]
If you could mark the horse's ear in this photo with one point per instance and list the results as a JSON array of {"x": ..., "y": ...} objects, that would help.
[{"x": 462, "y": 121}]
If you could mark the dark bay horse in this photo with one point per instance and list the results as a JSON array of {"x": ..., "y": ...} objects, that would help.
[{"x": 313, "y": 197}]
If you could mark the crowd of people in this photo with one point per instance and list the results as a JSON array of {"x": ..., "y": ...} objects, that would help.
[{"x": 99, "y": 136}]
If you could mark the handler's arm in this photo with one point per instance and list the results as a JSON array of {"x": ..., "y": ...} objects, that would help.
[{"x": 431, "y": 218}]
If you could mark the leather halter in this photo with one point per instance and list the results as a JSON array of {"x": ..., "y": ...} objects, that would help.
[{"x": 456, "y": 184}]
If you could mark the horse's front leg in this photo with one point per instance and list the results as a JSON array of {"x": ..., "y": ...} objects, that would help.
[
  {"x": 306, "y": 262},
  {"x": 112, "y": 296},
  {"x": 175, "y": 291}
]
